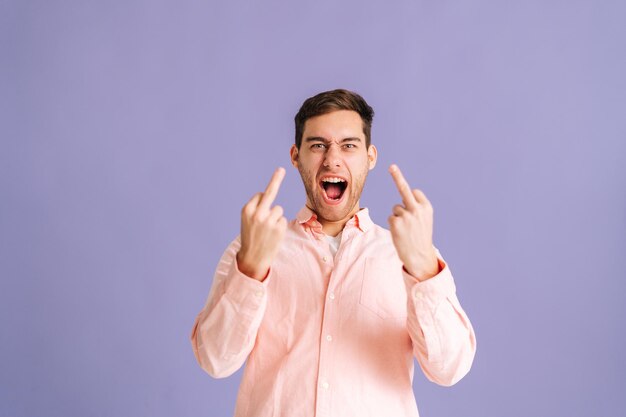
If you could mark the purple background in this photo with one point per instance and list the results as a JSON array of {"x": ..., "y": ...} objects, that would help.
[{"x": 133, "y": 132}]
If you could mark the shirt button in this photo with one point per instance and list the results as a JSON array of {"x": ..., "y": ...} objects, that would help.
[
  {"x": 329, "y": 338},
  {"x": 324, "y": 259},
  {"x": 331, "y": 295},
  {"x": 259, "y": 293},
  {"x": 325, "y": 385},
  {"x": 419, "y": 295}
]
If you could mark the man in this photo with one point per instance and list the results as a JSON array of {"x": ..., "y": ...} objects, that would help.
[{"x": 329, "y": 309}]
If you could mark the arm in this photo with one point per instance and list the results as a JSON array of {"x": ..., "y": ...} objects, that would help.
[
  {"x": 443, "y": 339},
  {"x": 444, "y": 342},
  {"x": 224, "y": 331}
]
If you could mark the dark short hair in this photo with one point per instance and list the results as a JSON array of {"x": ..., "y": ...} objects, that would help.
[{"x": 330, "y": 101}]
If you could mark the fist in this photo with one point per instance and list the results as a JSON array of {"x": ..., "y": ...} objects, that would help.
[
  {"x": 411, "y": 226},
  {"x": 262, "y": 230}
]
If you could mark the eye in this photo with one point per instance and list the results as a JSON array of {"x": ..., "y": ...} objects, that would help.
[
  {"x": 350, "y": 146},
  {"x": 318, "y": 146}
]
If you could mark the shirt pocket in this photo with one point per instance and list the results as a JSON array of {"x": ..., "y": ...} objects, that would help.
[{"x": 382, "y": 290}]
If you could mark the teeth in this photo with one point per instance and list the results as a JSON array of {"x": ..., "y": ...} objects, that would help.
[{"x": 333, "y": 179}]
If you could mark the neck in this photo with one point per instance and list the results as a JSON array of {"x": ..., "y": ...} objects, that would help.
[{"x": 334, "y": 227}]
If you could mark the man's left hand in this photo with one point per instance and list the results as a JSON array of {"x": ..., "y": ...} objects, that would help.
[{"x": 411, "y": 226}]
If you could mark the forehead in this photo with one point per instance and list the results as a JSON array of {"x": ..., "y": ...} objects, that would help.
[{"x": 335, "y": 125}]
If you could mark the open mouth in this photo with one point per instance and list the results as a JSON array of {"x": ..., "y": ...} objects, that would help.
[{"x": 334, "y": 187}]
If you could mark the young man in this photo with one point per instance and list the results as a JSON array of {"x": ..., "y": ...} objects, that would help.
[{"x": 330, "y": 308}]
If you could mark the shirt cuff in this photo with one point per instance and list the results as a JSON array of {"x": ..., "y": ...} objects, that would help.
[
  {"x": 246, "y": 291},
  {"x": 433, "y": 290}
]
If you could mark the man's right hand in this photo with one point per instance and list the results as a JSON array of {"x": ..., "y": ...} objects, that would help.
[{"x": 262, "y": 230}]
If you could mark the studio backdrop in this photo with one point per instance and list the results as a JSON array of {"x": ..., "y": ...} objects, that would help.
[{"x": 132, "y": 133}]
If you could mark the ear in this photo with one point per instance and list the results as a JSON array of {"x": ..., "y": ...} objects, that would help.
[
  {"x": 372, "y": 155},
  {"x": 294, "y": 155}
]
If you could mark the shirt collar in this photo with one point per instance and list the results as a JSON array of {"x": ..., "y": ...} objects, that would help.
[{"x": 307, "y": 217}]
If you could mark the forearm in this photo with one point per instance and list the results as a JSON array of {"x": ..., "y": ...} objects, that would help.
[
  {"x": 444, "y": 342},
  {"x": 225, "y": 330}
]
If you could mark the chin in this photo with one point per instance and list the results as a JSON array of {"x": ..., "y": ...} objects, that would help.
[{"x": 334, "y": 213}]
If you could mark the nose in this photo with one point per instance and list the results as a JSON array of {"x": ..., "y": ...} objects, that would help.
[{"x": 332, "y": 158}]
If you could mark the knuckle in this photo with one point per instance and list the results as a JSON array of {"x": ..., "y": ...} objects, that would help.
[{"x": 247, "y": 210}]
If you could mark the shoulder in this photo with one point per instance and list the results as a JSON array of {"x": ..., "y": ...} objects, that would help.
[
  {"x": 378, "y": 243},
  {"x": 379, "y": 234}
]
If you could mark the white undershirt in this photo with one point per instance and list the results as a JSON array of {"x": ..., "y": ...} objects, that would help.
[{"x": 333, "y": 243}]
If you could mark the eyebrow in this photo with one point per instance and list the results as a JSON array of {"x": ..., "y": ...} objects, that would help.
[{"x": 321, "y": 139}]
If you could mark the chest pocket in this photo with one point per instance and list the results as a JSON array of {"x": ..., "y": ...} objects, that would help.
[{"x": 382, "y": 290}]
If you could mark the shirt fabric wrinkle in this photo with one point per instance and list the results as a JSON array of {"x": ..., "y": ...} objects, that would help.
[{"x": 332, "y": 335}]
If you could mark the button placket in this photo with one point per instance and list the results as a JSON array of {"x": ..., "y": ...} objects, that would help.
[{"x": 327, "y": 331}]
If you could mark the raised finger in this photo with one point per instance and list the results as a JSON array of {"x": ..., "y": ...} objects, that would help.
[
  {"x": 403, "y": 186},
  {"x": 272, "y": 188}
]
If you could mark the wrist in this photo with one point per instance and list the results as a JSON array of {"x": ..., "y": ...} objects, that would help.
[
  {"x": 423, "y": 270},
  {"x": 251, "y": 269}
]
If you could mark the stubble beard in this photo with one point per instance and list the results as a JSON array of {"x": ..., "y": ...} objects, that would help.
[{"x": 330, "y": 213}]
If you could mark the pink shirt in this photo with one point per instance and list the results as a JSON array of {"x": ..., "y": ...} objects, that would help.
[{"x": 332, "y": 336}]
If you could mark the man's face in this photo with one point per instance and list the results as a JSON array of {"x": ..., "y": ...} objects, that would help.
[{"x": 333, "y": 161}]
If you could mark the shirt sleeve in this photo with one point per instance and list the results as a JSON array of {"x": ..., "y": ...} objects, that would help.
[
  {"x": 224, "y": 331},
  {"x": 444, "y": 342}
]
